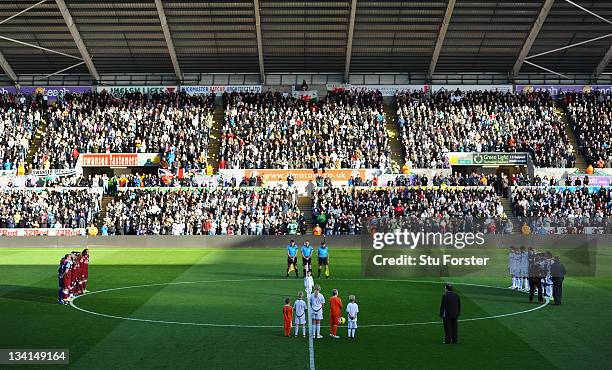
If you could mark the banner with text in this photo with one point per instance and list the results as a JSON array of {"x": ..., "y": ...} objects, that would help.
[
  {"x": 479, "y": 159},
  {"x": 555, "y": 90},
  {"x": 51, "y": 92},
  {"x": 385, "y": 90},
  {"x": 43, "y": 232},
  {"x": 137, "y": 89},
  {"x": 119, "y": 159},
  {"x": 500, "y": 88},
  {"x": 298, "y": 174},
  {"x": 219, "y": 89}
]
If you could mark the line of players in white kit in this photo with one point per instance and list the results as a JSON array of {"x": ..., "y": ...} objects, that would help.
[{"x": 518, "y": 266}]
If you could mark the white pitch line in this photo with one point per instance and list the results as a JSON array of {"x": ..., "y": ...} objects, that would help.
[
  {"x": 73, "y": 305},
  {"x": 311, "y": 356}
]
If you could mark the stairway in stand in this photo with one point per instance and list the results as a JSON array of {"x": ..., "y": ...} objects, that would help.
[
  {"x": 102, "y": 214},
  {"x": 397, "y": 157},
  {"x": 35, "y": 145},
  {"x": 305, "y": 205},
  {"x": 581, "y": 163},
  {"x": 214, "y": 143},
  {"x": 507, "y": 203}
]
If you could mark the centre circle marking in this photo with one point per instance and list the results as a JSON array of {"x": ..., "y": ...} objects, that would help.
[{"x": 73, "y": 304}]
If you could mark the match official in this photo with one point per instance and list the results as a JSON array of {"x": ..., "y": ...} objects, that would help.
[
  {"x": 292, "y": 249},
  {"x": 450, "y": 310},
  {"x": 557, "y": 271},
  {"x": 307, "y": 250},
  {"x": 323, "y": 253}
]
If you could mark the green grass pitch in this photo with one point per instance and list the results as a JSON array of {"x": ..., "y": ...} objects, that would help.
[{"x": 245, "y": 289}]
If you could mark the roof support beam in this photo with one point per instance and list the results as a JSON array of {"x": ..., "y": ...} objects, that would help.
[
  {"x": 7, "y": 68},
  {"x": 603, "y": 64},
  {"x": 441, "y": 35},
  {"x": 168, "y": 37},
  {"x": 533, "y": 34},
  {"x": 77, "y": 39},
  {"x": 349, "y": 41},
  {"x": 260, "y": 53}
]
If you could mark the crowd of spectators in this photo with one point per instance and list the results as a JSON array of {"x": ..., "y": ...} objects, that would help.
[
  {"x": 563, "y": 207},
  {"x": 274, "y": 130},
  {"x": 340, "y": 210},
  {"x": 219, "y": 211},
  {"x": 481, "y": 121},
  {"x": 48, "y": 208},
  {"x": 591, "y": 117},
  {"x": 20, "y": 117},
  {"x": 174, "y": 124}
]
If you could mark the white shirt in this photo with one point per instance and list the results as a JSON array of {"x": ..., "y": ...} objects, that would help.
[
  {"x": 299, "y": 307},
  {"x": 308, "y": 284},
  {"x": 352, "y": 310},
  {"x": 317, "y": 301}
]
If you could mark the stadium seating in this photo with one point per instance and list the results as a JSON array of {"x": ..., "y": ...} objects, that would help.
[
  {"x": 20, "y": 117},
  {"x": 175, "y": 124},
  {"x": 482, "y": 122},
  {"x": 566, "y": 207},
  {"x": 48, "y": 208},
  {"x": 225, "y": 211},
  {"x": 341, "y": 210},
  {"x": 272, "y": 130},
  {"x": 590, "y": 115}
]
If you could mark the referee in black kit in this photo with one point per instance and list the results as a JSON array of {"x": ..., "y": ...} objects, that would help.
[{"x": 450, "y": 310}]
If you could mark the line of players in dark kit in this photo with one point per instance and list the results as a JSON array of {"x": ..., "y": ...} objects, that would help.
[{"x": 72, "y": 275}]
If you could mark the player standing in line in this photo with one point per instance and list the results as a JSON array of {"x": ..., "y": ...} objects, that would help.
[
  {"x": 287, "y": 317},
  {"x": 85, "y": 265},
  {"x": 60, "y": 278},
  {"x": 547, "y": 281},
  {"x": 74, "y": 274},
  {"x": 335, "y": 313},
  {"x": 67, "y": 279},
  {"x": 307, "y": 256},
  {"x": 299, "y": 308},
  {"x": 524, "y": 270},
  {"x": 323, "y": 254},
  {"x": 351, "y": 310},
  {"x": 317, "y": 301},
  {"x": 292, "y": 249},
  {"x": 512, "y": 267}
]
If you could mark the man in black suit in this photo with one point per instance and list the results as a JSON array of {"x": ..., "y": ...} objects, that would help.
[
  {"x": 450, "y": 310},
  {"x": 557, "y": 272}
]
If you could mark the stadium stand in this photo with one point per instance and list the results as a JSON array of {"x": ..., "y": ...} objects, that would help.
[
  {"x": 219, "y": 211},
  {"x": 341, "y": 210},
  {"x": 590, "y": 115},
  {"x": 48, "y": 208},
  {"x": 175, "y": 124},
  {"x": 272, "y": 130},
  {"x": 564, "y": 207},
  {"x": 20, "y": 117},
  {"x": 477, "y": 121}
]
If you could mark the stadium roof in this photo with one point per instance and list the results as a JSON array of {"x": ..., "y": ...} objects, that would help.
[{"x": 223, "y": 36}]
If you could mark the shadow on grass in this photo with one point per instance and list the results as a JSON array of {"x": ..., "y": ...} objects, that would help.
[{"x": 29, "y": 293}]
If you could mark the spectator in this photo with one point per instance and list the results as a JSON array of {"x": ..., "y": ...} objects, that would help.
[
  {"x": 477, "y": 121},
  {"x": 591, "y": 117},
  {"x": 269, "y": 130},
  {"x": 220, "y": 211},
  {"x": 176, "y": 125}
]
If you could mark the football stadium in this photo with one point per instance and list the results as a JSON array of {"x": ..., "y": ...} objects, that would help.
[{"x": 267, "y": 184}]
